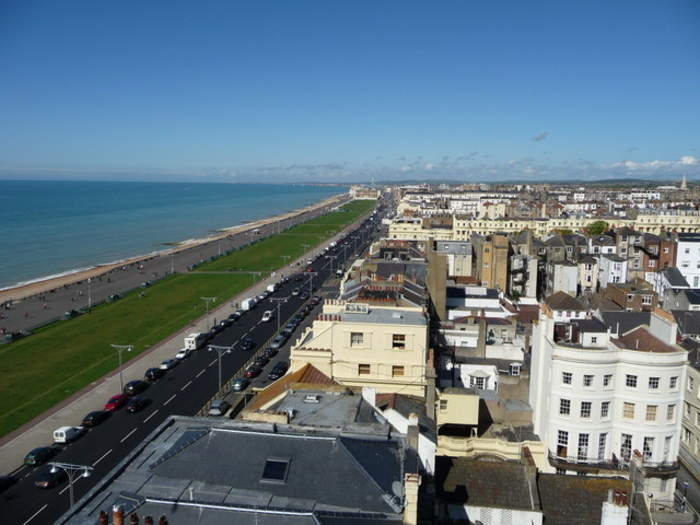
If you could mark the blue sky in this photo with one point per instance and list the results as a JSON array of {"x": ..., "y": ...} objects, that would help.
[{"x": 327, "y": 90}]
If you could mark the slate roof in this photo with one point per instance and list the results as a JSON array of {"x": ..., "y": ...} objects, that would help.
[
  {"x": 222, "y": 464},
  {"x": 626, "y": 321},
  {"x": 590, "y": 326},
  {"x": 495, "y": 484},
  {"x": 675, "y": 278},
  {"x": 693, "y": 295},
  {"x": 576, "y": 500},
  {"x": 563, "y": 301},
  {"x": 688, "y": 322}
]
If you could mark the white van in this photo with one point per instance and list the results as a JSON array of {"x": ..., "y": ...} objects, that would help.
[
  {"x": 248, "y": 304},
  {"x": 67, "y": 434},
  {"x": 194, "y": 340},
  {"x": 267, "y": 316}
]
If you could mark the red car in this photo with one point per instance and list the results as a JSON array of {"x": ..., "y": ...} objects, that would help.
[
  {"x": 253, "y": 371},
  {"x": 116, "y": 402}
]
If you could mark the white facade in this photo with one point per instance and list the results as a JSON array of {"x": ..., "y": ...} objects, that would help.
[
  {"x": 688, "y": 259},
  {"x": 562, "y": 277},
  {"x": 596, "y": 402},
  {"x": 612, "y": 269}
]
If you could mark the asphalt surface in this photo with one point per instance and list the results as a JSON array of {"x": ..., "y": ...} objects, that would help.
[
  {"x": 40, "y": 309},
  {"x": 183, "y": 390}
]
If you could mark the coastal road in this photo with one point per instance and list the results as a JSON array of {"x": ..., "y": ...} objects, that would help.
[
  {"x": 183, "y": 390},
  {"x": 46, "y": 307}
]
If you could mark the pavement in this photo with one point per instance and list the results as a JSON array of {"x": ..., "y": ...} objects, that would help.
[
  {"x": 184, "y": 390},
  {"x": 42, "y": 308}
]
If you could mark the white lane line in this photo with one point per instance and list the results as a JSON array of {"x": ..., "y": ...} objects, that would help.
[
  {"x": 68, "y": 486},
  {"x": 169, "y": 399},
  {"x": 149, "y": 417},
  {"x": 102, "y": 457},
  {"x": 186, "y": 385},
  {"x": 201, "y": 372},
  {"x": 127, "y": 436},
  {"x": 212, "y": 363},
  {"x": 35, "y": 514}
]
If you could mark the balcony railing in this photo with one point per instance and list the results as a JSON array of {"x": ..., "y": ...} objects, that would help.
[{"x": 615, "y": 463}]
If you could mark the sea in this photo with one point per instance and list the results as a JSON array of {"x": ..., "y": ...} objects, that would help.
[{"x": 49, "y": 228}]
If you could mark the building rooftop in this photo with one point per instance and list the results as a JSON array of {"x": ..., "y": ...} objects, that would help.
[
  {"x": 562, "y": 301},
  {"x": 641, "y": 340},
  {"x": 688, "y": 322},
  {"x": 384, "y": 316},
  {"x": 620, "y": 322},
  {"x": 675, "y": 278}
]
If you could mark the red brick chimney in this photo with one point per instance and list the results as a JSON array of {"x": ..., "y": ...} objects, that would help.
[
  {"x": 102, "y": 520},
  {"x": 134, "y": 519},
  {"x": 117, "y": 515}
]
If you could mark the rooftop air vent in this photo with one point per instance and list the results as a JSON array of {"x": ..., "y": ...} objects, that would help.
[{"x": 312, "y": 398}]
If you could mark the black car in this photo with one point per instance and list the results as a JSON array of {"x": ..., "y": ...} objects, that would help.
[
  {"x": 93, "y": 419},
  {"x": 40, "y": 455},
  {"x": 136, "y": 404},
  {"x": 6, "y": 482},
  {"x": 278, "y": 371},
  {"x": 270, "y": 352},
  {"x": 49, "y": 477},
  {"x": 153, "y": 374},
  {"x": 261, "y": 360},
  {"x": 135, "y": 387},
  {"x": 247, "y": 343},
  {"x": 303, "y": 296}
]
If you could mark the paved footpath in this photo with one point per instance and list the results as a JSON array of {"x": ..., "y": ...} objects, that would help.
[{"x": 39, "y": 431}]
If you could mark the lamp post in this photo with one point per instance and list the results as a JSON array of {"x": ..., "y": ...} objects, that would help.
[
  {"x": 120, "y": 349},
  {"x": 208, "y": 300},
  {"x": 285, "y": 258},
  {"x": 89, "y": 281},
  {"x": 172, "y": 263},
  {"x": 311, "y": 283},
  {"x": 279, "y": 301},
  {"x": 332, "y": 258},
  {"x": 221, "y": 350},
  {"x": 71, "y": 470}
]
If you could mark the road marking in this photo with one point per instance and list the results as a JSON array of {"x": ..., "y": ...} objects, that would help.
[
  {"x": 34, "y": 515},
  {"x": 149, "y": 417},
  {"x": 200, "y": 373},
  {"x": 186, "y": 385},
  {"x": 129, "y": 434},
  {"x": 169, "y": 399},
  {"x": 212, "y": 363},
  {"x": 102, "y": 457},
  {"x": 68, "y": 486}
]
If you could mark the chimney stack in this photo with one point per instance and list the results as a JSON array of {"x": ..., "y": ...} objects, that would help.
[
  {"x": 117, "y": 515},
  {"x": 163, "y": 521},
  {"x": 412, "y": 431},
  {"x": 148, "y": 520},
  {"x": 102, "y": 520},
  {"x": 134, "y": 519},
  {"x": 410, "y": 510}
]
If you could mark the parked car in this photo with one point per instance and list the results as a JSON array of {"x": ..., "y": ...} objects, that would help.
[
  {"x": 240, "y": 384},
  {"x": 116, "y": 402},
  {"x": 6, "y": 482},
  {"x": 219, "y": 407},
  {"x": 153, "y": 374},
  {"x": 184, "y": 353},
  {"x": 135, "y": 387},
  {"x": 267, "y": 316},
  {"x": 261, "y": 360},
  {"x": 303, "y": 296},
  {"x": 92, "y": 419},
  {"x": 252, "y": 371},
  {"x": 68, "y": 434},
  {"x": 136, "y": 404},
  {"x": 295, "y": 291},
  {"x": 298, "y": 318},
  {"x": 299, "y": 277},
  {"x": 270, "y": 352},
  {"x": 309, "y": 269},
  {"x": 286, "y": 331},
  {"x": 278, "y": 341},
  {"x": 48, "y": 477},
  {"x": 278, "y": 371},
  {"x": 40, "y": 455},
  {"x": 169, "y": 364},
  {"x": 315, "y": 300}
]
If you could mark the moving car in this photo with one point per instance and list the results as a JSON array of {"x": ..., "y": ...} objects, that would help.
[
  {"x": 169, "y": 364},
  {"x": 303, "y": 296},
  {"x": 219, "y": 407},
  {"x": 253, "y": 371},
  {"x": 278, "y": 371},
  {"x": 240, "y": 384},
  {"x": 295, "y": 291},
  {"x": 40, "y": 455},
  {"x": 136, "y": 404},
  {"x": 49, "y": 477},
  {"x": 92, "y": 419},
  {"x": 135, "y": 387},
  {"x": 267, "y": 316},
  {"x": 153, "y": 374},
  {"x": 247, "y": 343},
  {"x": 116, "y": 402}
]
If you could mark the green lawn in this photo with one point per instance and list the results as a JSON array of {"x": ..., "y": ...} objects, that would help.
[{"x": 60, "y": 359}]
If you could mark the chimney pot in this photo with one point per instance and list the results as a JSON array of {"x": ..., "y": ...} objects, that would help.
[
  {"x": 148, "y": 520},
  {"x": 163, "y": 521},
  {"x": 102, "y": 520},
  {"x": 133, "y": 519},
  {"x": 117, "y": 515}
]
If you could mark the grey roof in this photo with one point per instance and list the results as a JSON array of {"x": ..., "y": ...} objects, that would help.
[
  {"x": 454, "y": 247},
  {"x": 326, "y": 408},
  {"x": 613, "y": 257},
  {"x": 591, "y": 326},
  {"x": 205, "y": 462},
  {"x": 460, "y": 292},
  {"x": 603, "y": 240},
  {"x": 675, "y": 278},
  {"x": 626, "y": 321},
  {"x": 495, "y": 484},
  {"x": 693, "y": 295},
  {"x": 688, "y": 322},
  {"x": 385, "y": 316},
  {"x": 689, "y": 237},
  {"x": 576, "y": 500},
  {"x": 563, "y": 301}
]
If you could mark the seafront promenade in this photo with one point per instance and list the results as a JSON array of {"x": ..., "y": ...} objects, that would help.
[{"x": 36, "y": 304}]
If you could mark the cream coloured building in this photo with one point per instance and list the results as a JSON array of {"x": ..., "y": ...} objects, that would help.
[{"x": 383, "y": 347}]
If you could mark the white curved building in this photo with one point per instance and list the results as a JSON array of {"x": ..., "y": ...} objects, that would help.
[{"x": 597, "y": 397}]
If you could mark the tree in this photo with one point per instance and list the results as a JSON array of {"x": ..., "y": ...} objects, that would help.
[{"x": 597, "y": 227}]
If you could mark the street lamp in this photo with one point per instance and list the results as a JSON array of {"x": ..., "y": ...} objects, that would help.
[
  {"x": 89, "y": 281},
  {"x": 332, "y": 258},
  {"x": 285, "y": 258},
  {"x": 311, "y": 282},
  {"x": 279, "y": 301},
  {"x": 208, "y": 300},
  {"x": 221, "y": 350},
  {"x": 71, "y": 470},
  {"x": 120, "y": 349}
]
